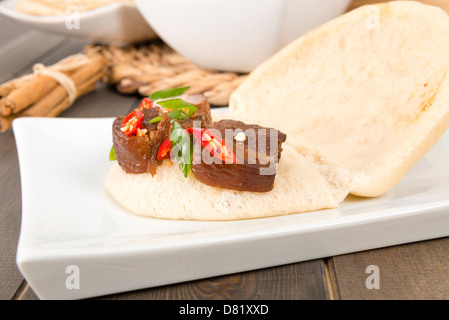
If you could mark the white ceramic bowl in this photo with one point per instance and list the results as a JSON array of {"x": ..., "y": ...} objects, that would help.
[
  {"x": 117, "y": 23},
  {"x": 235, "y": 35}
]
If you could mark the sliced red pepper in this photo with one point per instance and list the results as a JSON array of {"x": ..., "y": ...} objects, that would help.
[
  {"x": 132, "y": 122},
  {"x": 214, "y": 145},
  {"x": 146, "y": 103},
  {"x": 164, "y": 150}
]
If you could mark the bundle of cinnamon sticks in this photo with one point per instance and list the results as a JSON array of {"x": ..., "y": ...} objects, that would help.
[{"x": 42, "y": 94}]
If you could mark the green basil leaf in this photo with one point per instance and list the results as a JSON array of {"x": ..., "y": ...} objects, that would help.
[
  {"x": 167, "y": 93},
  {"x": 112, "y": 156},
  {"x": 175, "y": 104}
]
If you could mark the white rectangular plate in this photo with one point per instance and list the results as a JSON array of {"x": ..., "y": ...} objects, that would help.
[{"x": 76, "y": 242}]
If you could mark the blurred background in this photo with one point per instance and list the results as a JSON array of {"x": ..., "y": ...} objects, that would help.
[{"x": 148, "y": 45}]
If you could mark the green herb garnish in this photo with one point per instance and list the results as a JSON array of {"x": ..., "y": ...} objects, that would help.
[
  {"x": 181, "y": 109},
  {"x": 182, "y": 148},
  {"x": 168, "y": 93}
]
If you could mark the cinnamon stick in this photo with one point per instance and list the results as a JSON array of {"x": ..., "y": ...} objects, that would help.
[
  {"x": 91, "y": 72},
  {"x": 57, "y": 100},
  {"x": 37, "y": 87},
  {"x": 42, "y": 96},
  {"x": 50, "y": 110},
  {"x": 6, "y": 88},
  {"x": 24, "y": 96},
  {"x": 63, "y": 105},
  {"x": 6, "y": 121}
]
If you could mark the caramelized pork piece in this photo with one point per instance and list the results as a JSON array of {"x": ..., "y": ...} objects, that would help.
[
  {"x": 257, "y": 149},
  {"x": 138, "y": 153}
]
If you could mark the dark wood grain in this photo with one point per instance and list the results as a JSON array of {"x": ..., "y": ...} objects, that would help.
[
  {"x": 10, "y": 216},
  {"x": 291, "y": 282},
  {"x": 413, "y": 271},
  {"x": 24, "y": 292}
]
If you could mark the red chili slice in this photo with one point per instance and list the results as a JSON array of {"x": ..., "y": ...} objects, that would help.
[
  {"x": 132, "y": 122},
  {"x": 164, "y": 150},
  {"x": 146, "y": 103},
  {"x": 214, "y": 145}
]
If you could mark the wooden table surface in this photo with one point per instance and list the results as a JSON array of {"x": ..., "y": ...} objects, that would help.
[{"x": 412, "y": 271}]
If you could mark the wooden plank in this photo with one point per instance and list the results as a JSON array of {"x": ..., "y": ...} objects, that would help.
[
  {"x": 24, "y": 292},
  {"x": 291, "y": 282},
  {"x": 10, "y": 216},
  {"x": 414, "y": 271}
]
